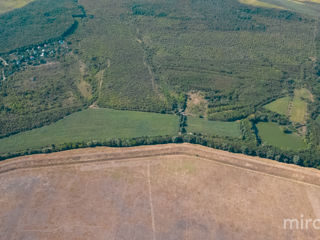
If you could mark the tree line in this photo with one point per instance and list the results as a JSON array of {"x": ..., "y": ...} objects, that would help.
[{"x": 249, "y": 146}]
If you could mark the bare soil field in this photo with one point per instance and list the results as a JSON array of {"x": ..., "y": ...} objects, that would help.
[{"x": 174, "y": 191}]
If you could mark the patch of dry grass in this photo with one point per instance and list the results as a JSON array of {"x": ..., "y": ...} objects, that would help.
[{"x": 8, "y": 5}]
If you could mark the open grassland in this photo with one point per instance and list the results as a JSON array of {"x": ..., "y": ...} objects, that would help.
[
  {"x": 296, "y": 108},
  {"x": 199, "y": 125},
  {"x": 299, "y": 110},
  {"x": 303, "y": 93},
  {"x": 273, "y": 134},
  {"x": 300, "y": 105},
  {"x": 156, "y": 192},
  {"x": 93, "y": 124},
  {"x": 8, "y": 5},
  {"x": 280, "y": 105}
]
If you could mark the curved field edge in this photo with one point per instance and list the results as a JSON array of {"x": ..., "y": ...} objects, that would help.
[{"x": 91, "y": 155}]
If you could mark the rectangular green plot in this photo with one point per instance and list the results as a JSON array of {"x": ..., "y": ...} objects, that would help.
[
  {"x": 273, "y": 134},
  {"x": 93, "y": 124},
  {"x": 199, "y": 125}
]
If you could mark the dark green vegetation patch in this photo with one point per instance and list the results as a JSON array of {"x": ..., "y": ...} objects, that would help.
[
  {"x": 93, "y": 124},
  {"x": 273, "y": 134},
  {"x": 228, "y": 129}
]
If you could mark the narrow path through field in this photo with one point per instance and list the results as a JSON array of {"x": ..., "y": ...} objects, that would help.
[
  {"x": 150, "y": 73},
  {"x": 99, "y": 77},
  {"x": 101, "y": 73},
  {"x": 151, "y": 204},
  {"x": 145, "y": 63},
  {"x": 290, "y": 107},
  {"x": 3, "y": 75}
]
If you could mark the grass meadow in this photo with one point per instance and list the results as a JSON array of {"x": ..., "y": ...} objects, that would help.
[
  {"x": 93, "y": 124},
  {"x": 273, "y": 134},
  {"x": 199, "y": 125},
  {"x": 295, "y": 108},
  {"x": 280, "y": 105},
  {"x": 300, "y": 105}
]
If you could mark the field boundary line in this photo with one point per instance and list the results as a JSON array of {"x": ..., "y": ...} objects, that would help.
[
  {"x": 260, "y": 165},
  {"x": 151, "y": 203}
]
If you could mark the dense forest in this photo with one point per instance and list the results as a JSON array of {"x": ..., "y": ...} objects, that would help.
[{"x": 58, "y": 57}]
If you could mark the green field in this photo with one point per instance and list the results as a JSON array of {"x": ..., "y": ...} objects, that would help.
[
  {"x": 199, "y": 125},
  {"x": 272, "y": 134},
  {"x": 299, "y": 110},
  {"x": 296, "y": 108},
  {"x": 93, "y": 124},
  {"x": 280, "y": 105}
]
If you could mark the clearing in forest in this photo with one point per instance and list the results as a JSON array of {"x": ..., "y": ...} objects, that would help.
[
  {"x": 216, "y": 128},
  {"x": 274, "y": 134},
  {"x": 295, "y": 108}
]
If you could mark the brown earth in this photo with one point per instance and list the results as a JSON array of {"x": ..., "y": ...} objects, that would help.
[{"x": 154, "y": 192}]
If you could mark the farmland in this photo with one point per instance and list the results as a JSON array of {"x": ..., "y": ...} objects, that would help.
[
  {"x": 154, "y": 192},
  {"x": 189, "y": 78},
  {"x": 273, "y": 134},
  {"x": 99, "y": 125},
  {"x": 93, "y": 124}
]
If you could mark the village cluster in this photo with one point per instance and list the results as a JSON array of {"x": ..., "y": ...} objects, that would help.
[{"x": 35, "y": 55}]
